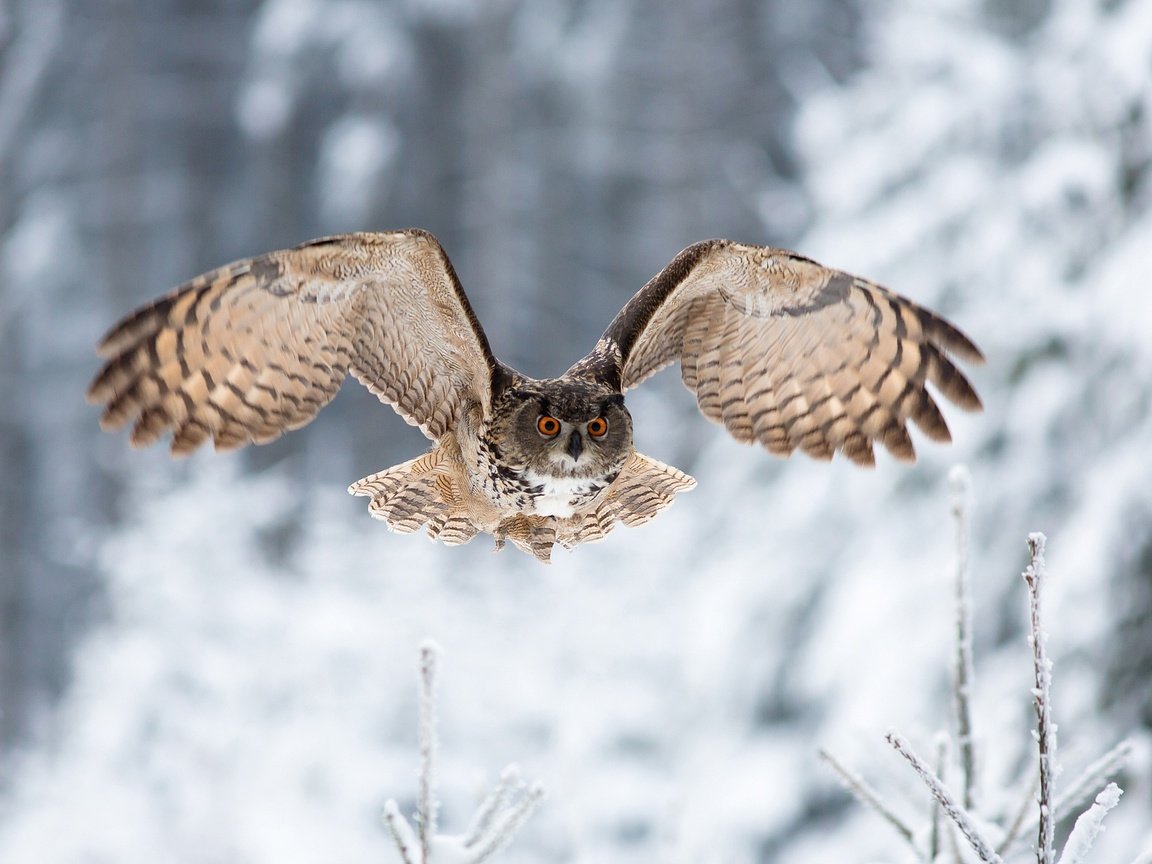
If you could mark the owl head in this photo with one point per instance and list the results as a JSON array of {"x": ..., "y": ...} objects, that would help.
[{"x": 563, "y": 427}]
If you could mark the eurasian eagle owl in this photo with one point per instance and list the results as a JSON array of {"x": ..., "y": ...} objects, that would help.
[{"x": 776, "y": 347}]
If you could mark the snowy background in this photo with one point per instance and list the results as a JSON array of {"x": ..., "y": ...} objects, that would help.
[{"x": 214, "y": 661}]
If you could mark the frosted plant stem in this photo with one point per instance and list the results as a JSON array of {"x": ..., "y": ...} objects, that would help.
[
  {"x": 1091, "y": 780},
  {"x": 952, "y": 808},
  {"x": 1089, "y": 825},
  {"x": 493, "y": 803},
  {"x": 1034, "y": 575},
  {"x": 865, "y": 794},
  {"x": 1020, "y": 823},
  {"x": 401, "y": 832},
  {"x": 941, "y": 763},
  {"x": 964, "y": 669},
  {"x": 507, "y": 827},
  {"x": 426, "y": 800}
]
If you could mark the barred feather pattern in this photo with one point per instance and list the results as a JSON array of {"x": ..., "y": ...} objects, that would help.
[
  {"x": 258, "y": 347},
  {"x": 430, "y": 491},
  {"x": 775, "y": 347},
  {"x": 796, "y": 356}
]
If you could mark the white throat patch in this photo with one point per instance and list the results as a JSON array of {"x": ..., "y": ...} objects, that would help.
[{"x": 562, "y": 496}]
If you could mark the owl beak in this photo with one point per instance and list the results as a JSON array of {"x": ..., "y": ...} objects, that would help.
[{"x": 575, "y": 446}]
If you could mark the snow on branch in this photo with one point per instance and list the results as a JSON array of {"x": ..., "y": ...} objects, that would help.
[
  {"x": 1089, "y": 825},
  {"x": 427, "y": 805},
  {"x": 963, "y": 672},
  {"x": 498, "y": 818},
  {"x": 1044, "y": 808},
  {"x": 865, "y": 794},
  {"x": 952, "y": 808},
  {"x": 1034, "y": 575},
  {"x": 1091, "y": 780}
]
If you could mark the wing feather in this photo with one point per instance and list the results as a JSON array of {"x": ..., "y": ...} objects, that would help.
[
  {"x": 786, "y": 352},
  {"x": 258, "y": 347}
]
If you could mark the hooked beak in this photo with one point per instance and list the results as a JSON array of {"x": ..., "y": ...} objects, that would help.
[{"x": 575, "y": 446}]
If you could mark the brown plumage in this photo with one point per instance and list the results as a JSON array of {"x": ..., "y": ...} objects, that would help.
[{"x": 776, "y": 347}]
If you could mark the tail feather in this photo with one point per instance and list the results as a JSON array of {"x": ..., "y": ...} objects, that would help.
[
  {"x": 416, "y": 493},
  {"x": 423, "y": 492},
  {"x": 644, "y": 488}
]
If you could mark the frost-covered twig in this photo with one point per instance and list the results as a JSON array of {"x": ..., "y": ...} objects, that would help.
[
  {"x": 865, "y": 794},
  {"x": 498, "y": 818},
  {"x": 1052, "y": 807},
  {"x": 427, "y": 805},
  {"x": 1020, "y": 823},
  {"x": 963, "y": 670},
  {"x": 1090, "y": 781},
  {"x": 494, "y": 802},
  {"x": 954, "y": 810},
  {"x": 500, "y": 830},
  {"x": 1089, "y": 825},
  {"x": 401, "y": 832},
  {"x": 942, "y": 748},
  {"x": 1034, "y": 575}
]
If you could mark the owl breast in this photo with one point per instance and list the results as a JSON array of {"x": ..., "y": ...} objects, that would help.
[
  {"x": 562, "y": 496},
  {"x": 514, "y": 489}
]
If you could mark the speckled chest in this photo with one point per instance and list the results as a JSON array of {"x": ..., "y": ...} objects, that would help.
[{"x": 526, "y": 491}]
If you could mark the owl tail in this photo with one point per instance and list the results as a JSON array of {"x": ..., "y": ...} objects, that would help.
[
  {"x": 418, "y": 492},
  {"x": 644, "y": 488}
]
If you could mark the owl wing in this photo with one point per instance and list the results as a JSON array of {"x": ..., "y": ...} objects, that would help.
[
  {"x": 258, "y": 347},
  {"x": 786, "y": 352}
]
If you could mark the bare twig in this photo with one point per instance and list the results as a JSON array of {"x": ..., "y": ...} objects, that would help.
[
  {"x": 499, "y": 816},
  {"x": 952, "y": 808},
  {"x": 503, "y": 830},
  {"x": 865, "y": 794},
  {"x": 401, "y": 832},
  {"x": 1092, "y": 779},
  {"x": 494, "y": 802},
  {"x": 427, "y": 805},
  {"x": 1034, "y": 575},
  {"x": 1021, "y": 823},
  {"x": 942, "y": 748},
  {"x": 1089, "y": 825},
  {"x": 963, "y": 670}
]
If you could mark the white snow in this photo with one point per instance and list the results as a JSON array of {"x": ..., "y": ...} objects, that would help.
[{"x": 672, "y": 684}]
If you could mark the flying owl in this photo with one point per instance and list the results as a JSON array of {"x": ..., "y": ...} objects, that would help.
[{"x": 776, "y": 347}]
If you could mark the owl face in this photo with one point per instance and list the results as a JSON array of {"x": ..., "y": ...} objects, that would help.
[{"x": 561, "y": 428}]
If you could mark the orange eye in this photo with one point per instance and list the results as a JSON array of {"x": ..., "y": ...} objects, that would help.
[
  {"x": 548, "y": 426},
  {"x": 598, "y": 428}
]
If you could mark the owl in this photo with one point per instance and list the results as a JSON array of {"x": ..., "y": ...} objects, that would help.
[{"x": 779, "y": 349}]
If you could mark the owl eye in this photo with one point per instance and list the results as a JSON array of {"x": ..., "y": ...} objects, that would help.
[
  {"x": 598, "y": 428},
  {"x": 548, "y": 426}
]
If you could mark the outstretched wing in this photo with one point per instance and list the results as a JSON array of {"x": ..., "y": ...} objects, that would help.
[
  {"x": 789, "y": 353},
  {"x": 258, "y": 347}
]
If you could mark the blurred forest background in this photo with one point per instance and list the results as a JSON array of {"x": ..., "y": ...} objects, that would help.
[{"x": 210, "y": 660}]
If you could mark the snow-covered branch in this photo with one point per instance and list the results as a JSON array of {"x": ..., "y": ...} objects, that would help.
[
  {"x": 963, "y": 672},
  {"x": 1044, "y": 808},
  {"x": 497, "y": 819},
  {"x": 1034, "y": 575},
  {"x": 1089, "y": 825},
  {"x": 427, "y": 803},
  {"x": 865, "y": 794},
  {"x": 952, "y": 808}
]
